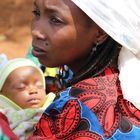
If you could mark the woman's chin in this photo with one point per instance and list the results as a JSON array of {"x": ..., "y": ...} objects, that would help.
[{"x": 44, "y": 62}]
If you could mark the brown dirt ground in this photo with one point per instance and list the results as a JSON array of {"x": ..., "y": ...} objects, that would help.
[{"x": 15, "y": 22}]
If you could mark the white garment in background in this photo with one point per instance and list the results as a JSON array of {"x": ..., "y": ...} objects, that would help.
[{"x": 121, "y": 20}]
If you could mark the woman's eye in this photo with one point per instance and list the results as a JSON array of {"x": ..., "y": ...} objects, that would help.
[
  {"x": 36, "y": 13},
  {"x": 54, "y": 20}
]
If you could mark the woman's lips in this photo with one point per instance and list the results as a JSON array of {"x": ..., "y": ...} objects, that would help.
[{"x": 38, "y": 52}]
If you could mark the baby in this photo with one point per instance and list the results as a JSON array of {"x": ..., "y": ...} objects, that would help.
[{"x": 22, "y": 95}]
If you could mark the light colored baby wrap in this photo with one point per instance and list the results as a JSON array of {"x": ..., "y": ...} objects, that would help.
[
  {"x": 121, "y": 20},
  {"x": 22, "y": 121}
]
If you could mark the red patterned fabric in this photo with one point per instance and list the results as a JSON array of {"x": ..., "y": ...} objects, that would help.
[
  {"x": 64, "y": 126},
  {"x": 107, "y": 102},
  {"x": 4, "y": 126},
  {"x": 90, "y": 104}
]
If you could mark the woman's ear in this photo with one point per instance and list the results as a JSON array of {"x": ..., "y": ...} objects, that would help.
[{"x": 101, "y": 36}]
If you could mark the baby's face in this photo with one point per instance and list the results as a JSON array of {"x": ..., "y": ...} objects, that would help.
[{"x": 25, "y": 87}]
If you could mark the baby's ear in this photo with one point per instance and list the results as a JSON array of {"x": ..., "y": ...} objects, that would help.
[{"x": 101, "y": 36}]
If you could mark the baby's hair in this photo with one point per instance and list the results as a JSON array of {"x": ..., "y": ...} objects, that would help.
[{"x": 105, "y": 55}]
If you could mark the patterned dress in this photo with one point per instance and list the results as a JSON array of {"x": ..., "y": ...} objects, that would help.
[{"x": 93, "y": 109}]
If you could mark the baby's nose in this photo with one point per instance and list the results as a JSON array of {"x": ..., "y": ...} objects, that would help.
[{"x": 32, "y": 89}]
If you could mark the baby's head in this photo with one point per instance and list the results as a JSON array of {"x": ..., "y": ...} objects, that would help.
[{"x": 23, "y": 82}]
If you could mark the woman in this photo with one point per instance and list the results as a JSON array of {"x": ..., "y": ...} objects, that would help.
[{"x": 82, "y": 34}]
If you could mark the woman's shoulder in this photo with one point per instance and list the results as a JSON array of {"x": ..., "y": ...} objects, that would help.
[
  {"x": 98, "y": 91},
  {"x": 104, "y": 87}
]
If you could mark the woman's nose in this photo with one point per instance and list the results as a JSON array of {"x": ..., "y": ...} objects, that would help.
[
  {"x": 37, "y": 29},
  {"x": 37, "y": 34}
]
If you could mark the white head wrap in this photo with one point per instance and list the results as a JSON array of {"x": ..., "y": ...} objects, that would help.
[{"x": 121, "y": 20}]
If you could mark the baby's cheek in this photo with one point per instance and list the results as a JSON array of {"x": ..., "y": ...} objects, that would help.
[{"x": 42, "y": 92}]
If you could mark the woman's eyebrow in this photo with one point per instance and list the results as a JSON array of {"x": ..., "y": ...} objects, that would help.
[
  {"x": 55, "y": 8},
  {"x": 52, "y": 9}
]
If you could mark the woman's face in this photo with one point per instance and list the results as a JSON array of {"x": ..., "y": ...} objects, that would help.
[
  {"x": 61, "y": 33},
  {"x": 24, "y": 86}
]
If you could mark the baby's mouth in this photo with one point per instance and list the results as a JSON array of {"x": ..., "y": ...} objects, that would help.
[{"x": 34, "y": 100}]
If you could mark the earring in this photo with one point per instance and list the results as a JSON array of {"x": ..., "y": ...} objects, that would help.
[{"x": 94, "y": 48}]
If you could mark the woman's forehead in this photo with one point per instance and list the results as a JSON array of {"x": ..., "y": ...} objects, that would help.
[
  {"x": 49, "y": 4},
  {"x": 65, "y": 8}
]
